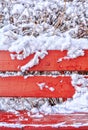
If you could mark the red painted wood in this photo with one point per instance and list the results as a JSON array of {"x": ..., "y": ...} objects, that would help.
[
  {"x": 48, "y": 63},
  {"x": 60, "y": 128},
  {"x": 18, "y": 86},
  {"x": 8, "y": 128},
  {"x": 46, "y": 122},
  {"x": 45, "y": 128}
]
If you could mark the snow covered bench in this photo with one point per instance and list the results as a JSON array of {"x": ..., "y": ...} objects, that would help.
[{"x": 42, "y": 84}]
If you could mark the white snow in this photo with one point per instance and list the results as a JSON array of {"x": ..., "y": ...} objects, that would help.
[
  {"x": 62, "y": 124},
  {"x": 79, "y": 102},
  {"x": 44, "y": 85},
  {"x": 27, "y": 28},
  {"x": 31, "y": 27},
  {"x": 51, "y": 89},
  {"x": 34, "y": 110},
  {"x": 41, "y": 85},
  {"x": 17, "y": 9}
]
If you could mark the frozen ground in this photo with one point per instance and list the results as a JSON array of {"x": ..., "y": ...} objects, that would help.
[{"x": 41, "y": 25}]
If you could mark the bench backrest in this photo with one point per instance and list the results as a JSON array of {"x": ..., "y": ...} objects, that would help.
[{"x": 38, "y": 85}]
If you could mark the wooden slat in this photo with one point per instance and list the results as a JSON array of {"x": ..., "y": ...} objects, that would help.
[
  {"x": 51, "y": 128},
  {"x": 45, "y": 128},
  {"x": 46, "y": 122},
  {"x": 60, "y": 128},
  {"x": 8, "y": 128},
  {"x": 48, "y": 63},
  {"x": 18, "y": 86}
]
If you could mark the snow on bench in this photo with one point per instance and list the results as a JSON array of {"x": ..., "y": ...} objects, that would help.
[{"x": 70, "y": 115}]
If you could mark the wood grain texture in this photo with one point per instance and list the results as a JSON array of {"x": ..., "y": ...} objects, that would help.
[
  {"x": 48, "y": 63},
  {"x": 53, "y": 86}
]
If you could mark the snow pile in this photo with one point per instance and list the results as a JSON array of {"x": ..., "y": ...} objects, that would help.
[
  {"x": 79, "y": 102},
  {"x": 35, "y": 27}
]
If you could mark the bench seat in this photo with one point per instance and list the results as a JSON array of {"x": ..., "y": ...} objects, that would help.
[{"x": 55, "y": 86}]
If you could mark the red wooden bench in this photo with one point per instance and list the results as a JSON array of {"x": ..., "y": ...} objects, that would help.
[{"x": 18, "y": 86}]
